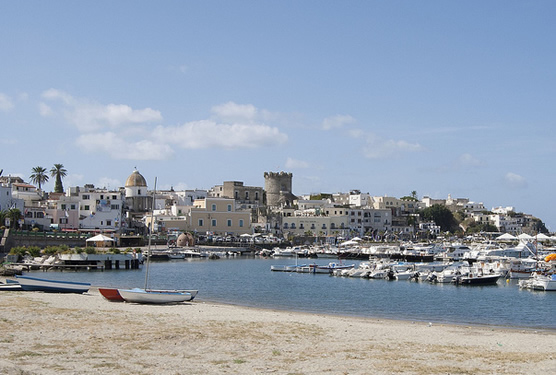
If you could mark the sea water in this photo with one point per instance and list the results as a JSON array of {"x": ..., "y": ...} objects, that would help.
[{"x": 248, "y": 281}]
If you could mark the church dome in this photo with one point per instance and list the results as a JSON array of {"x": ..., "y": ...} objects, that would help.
[{"x": 135, "y": 179}]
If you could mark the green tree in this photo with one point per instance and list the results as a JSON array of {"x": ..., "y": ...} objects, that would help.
[
  {"x": 3, "y": 215},
  {"x": 58, "y": 172},
  {"x": 442, "y": 216},
  {"x": 39, "y": 176},
  {"x": 14, "y": 214}
]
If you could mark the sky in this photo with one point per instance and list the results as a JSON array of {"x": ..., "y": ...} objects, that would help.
[{"x": 387, "y": 97}]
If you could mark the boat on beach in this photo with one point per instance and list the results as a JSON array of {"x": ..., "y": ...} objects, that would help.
[
  {"x": 154, "y": 296},
  {"x": 51, "y": 286},
  {"x": 10, "y": 285},
  {"x": 138, "y": 295},
  {"x": 111, "y": 294}
]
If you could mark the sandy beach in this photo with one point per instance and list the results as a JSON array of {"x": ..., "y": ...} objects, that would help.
[{"x": 86, "y": 334}]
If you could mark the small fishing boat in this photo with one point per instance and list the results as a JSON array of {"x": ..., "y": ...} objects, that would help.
[
  {"x": 138, "y": 295},
  {"x": 111, "y": 294},
  {"x": 10, "y": 285},
  {"x": 154, "y": 296},
  {"x": 51, "y": 286}
]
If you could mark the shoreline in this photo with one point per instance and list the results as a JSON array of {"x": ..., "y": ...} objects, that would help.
[
  {"x": 377, "y": 318},
  {"x": 67, "y": 334}
]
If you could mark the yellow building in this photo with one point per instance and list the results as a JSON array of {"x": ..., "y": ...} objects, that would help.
[{"x": 219, "y": 216}]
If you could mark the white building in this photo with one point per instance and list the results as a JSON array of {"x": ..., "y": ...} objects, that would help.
[{"x": 99, "y": 209}]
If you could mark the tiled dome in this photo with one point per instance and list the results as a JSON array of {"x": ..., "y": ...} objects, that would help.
[{"x": 135, "y": 179}]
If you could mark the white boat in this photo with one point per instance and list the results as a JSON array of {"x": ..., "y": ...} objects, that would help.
[
  {"x": 138, "y": 295},
  {"x": 52, "y": 286},
  {"x": 154, "y": 296},
  {"x": 539, "y": 281}
]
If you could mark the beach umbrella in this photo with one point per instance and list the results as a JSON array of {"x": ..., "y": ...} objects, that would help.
[
  {"x": 356, "y": 239},
  {"x": 349, "y": 243},
  {"x": 506, "y": 237},
  {"x": 525, "y": 236},
  {"x": 543, "y": 237}
]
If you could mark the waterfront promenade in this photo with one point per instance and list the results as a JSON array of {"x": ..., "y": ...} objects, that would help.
[{"x": 85, "y": 334}]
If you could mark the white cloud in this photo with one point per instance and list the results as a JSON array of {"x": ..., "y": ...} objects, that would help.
[
  {"x": 377, "y": 148},
  {"x": 109, "y": 183},
  {"x": 232, "y": 112},
  {"x": 468, "y": 160},
  {"x": 515, "y": 181},
  {"x": 90, "y": 116},
  {"x": 119, "y": 148},
  {"x": 296, "y": 164},
  {"x": 6, "y": 103},
  {"x": 72, "y": 179},
  {"x": 45, "y": 110},
  {"x": 207, "y": 133},
  {"x": 337, "y": 122}
]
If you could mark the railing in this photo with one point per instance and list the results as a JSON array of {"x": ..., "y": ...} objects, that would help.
[{"x": 55, "y": 235}]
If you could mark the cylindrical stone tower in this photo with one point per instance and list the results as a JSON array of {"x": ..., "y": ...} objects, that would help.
[{"x": 277, "y": 186}]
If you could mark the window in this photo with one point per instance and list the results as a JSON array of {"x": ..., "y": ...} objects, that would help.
[
  {"x": 229, "y": 208},
  {"x": 87, "y": 208},
  {"x": 312, "y": 226},
  {"x": 201, "y": 222},
  {"x": 285, "y": 225},
  {"x": 139, "y": 192},
  {"x": 86, "y": 197},
  {"x": 63, "y": 220},
  {"x": 236, "y": 195},
  {"x": 213, "y": 207},
  {"x": 39, "y": 215},
  {"x": 323, "y": 226},
  {"x": 229, "y": 222},
  {"x": 301, "y": 226},
  {"x": 293, "y": 225},
  {"x": 213, "y": 222},
  {"x": 109, "y": 222},
  {"x": 332, "y": 226},
  {"x": 246, "y": 195},
  {"x": 241, "y": 223},
  {"x": 73, "y": 206},
  {"x": 114, "y": 197},
  {"x": 63, "y": 206},
  {"x": 257, "y": 196}
]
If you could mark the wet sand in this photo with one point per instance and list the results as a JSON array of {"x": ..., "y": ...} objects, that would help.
[{"x": 85, "y": 334}]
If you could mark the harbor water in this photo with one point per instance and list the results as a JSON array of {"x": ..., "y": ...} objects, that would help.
[{"x": 248, "y": 281}]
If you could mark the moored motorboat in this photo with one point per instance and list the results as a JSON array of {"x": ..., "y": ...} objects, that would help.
[
  {"x": 477, "y": 279},
  {"x": 538, "y": 281},
  {"x": 52, "y": 286}
]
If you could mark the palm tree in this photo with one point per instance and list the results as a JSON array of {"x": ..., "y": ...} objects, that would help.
[
  {"x": 14, "y": 214},
  {"x": 59, "y": 172},
  {"x": 39, "y": 176}
]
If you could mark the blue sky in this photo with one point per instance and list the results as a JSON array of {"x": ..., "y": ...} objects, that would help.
[{"x": 388, "y": 97}]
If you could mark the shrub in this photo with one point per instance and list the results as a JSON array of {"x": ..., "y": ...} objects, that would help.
[
  {"x": 90, "y": 250},
  {"x": 51, "y": 250}
]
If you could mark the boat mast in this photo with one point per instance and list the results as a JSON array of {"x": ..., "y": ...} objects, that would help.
[{"x": 150, "y": 236}]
